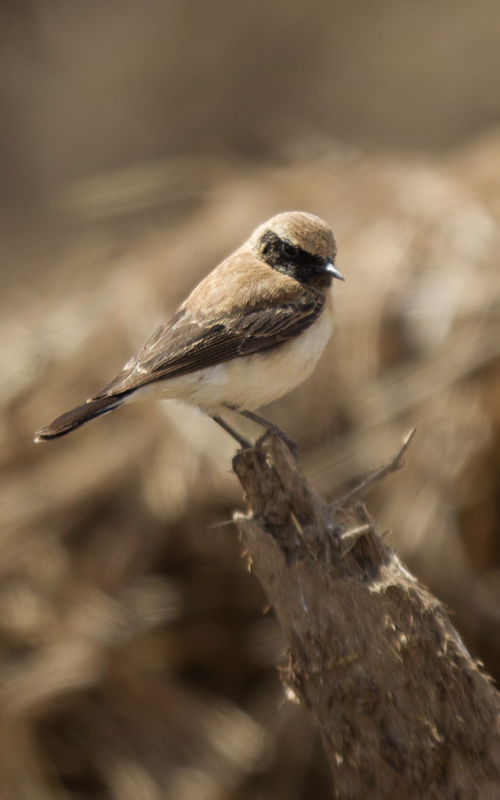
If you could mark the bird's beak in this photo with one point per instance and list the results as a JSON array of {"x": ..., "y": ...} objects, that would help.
[{"x": 331, "y": 269}]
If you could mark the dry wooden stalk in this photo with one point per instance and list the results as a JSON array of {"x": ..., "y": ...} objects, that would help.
[{"x": 403, "y": 710}]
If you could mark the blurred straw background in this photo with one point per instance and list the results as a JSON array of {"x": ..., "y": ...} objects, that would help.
[{"x": 140, "y": 144}]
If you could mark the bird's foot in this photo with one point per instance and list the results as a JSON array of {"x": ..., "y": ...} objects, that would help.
[
  {"x": 237, "y": 436},
  {"x": 275, "y": 430},
  {"x": 272, "y": 428}
]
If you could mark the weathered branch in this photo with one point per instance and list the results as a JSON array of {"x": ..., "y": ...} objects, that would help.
[{"x": 403, "y": 709}]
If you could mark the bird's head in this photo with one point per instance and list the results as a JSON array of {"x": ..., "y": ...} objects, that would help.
[{"x": 300, "y": 245}]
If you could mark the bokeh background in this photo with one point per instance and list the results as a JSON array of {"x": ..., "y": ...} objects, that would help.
[{"x": 140, "y": 142}]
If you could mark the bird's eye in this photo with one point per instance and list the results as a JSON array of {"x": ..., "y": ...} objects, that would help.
[{"x": 289, "y": 249}]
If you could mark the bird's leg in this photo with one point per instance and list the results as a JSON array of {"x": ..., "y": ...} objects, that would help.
[
  {"x": 240, "y": 439},
  {"x": 270, "y": 427}
]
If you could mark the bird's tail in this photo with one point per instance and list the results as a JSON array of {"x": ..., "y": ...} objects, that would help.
[{"x": 79, "y": 416}]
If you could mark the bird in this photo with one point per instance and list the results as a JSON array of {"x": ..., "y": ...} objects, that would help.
[{"x": 251, "y": 331}]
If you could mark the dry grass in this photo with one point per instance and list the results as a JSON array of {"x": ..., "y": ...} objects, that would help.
[{"x": 135, "y": 660}]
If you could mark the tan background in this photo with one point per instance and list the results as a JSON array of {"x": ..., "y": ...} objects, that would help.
[{"x": 140, "y": 144}]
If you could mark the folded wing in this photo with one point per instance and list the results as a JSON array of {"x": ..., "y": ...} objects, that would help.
[{"x": 187, "y": 344}]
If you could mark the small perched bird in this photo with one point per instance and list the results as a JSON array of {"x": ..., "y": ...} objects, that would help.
[{"x": 249, "y": 333}]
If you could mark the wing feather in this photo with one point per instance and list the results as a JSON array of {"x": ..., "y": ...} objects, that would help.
[{"x": 186, "y": 344}]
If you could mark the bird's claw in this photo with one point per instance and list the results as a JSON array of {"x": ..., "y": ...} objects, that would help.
[{"x": 275, "y": 430}]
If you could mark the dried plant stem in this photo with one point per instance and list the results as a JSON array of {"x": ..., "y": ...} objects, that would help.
[
  {"x": 366, "y": 484},
  {"x": 402, "y": 708}
]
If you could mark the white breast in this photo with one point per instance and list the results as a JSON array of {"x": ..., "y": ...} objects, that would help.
[{"x": 250, "y": 381}]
